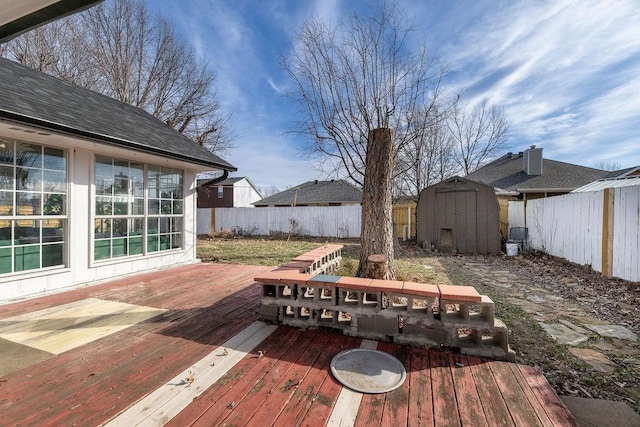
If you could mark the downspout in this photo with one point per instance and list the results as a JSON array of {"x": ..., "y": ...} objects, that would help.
[{"x": 214, "y": 181}]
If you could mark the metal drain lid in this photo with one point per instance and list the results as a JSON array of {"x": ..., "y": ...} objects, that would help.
[{"x": 368, "y": 371}]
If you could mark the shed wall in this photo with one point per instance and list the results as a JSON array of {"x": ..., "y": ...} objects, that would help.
[{"x": 459, "y": 215}]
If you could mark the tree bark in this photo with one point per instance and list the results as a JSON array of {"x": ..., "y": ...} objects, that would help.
[{"x": 376, "y": 236}]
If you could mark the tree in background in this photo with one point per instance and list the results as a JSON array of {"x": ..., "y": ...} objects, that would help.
[
  {"x": 607, "y": 165},
  {"x": 352, "y": 80},
  {"x": 477, "y": 134},
  {"x": 119, "y": 49}
]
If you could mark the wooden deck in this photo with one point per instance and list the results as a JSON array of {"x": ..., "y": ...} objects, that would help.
[{"x": 284, "y": 380}]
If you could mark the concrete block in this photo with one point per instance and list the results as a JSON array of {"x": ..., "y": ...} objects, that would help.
[{"x": 377, "y": 324}]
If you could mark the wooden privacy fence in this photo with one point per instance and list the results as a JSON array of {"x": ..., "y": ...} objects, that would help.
[
  {"x": 600, "y": 228},
  {"x": 319, "y": 221},
  {"x": 404, "y": 219}
]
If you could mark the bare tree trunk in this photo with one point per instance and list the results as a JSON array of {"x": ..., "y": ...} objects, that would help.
[{"x": 376, "y": 237}]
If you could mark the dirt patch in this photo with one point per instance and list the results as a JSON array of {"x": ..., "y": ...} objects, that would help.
[{"x": 532, "y": 289}]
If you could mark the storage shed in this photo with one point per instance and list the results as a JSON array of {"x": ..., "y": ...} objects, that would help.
[{"x": 459, "y": 215}]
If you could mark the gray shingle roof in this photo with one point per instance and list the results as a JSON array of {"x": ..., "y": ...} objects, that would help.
[
  {"x": 508, "y": 173},
  {"x": 33, "y": 98},
  {"x": 312, "y": 192}
]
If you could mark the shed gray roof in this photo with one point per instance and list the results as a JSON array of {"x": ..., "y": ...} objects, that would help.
[
  {"x": 30, "y": 97},
  {"x": 507, "y": 173},
  {"x": 338, "y": 191}
]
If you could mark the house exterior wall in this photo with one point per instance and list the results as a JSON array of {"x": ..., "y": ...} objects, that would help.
[
  {"x": 244, "y": 194},
  {"x": 208, "y": 197},
  {"x": 80, "y": 268}
]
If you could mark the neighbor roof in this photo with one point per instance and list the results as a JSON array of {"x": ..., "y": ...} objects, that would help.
[
  {"x": 507, "y": 173},
  {"x": 338, "y": 191},
  {"x": 628, "y": 181},
  {"x": 36, "y": 99}
]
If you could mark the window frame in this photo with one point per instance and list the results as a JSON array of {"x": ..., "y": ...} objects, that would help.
[
  {"x": 35, "y": 239},
  {"x": 124, "y": 230}
]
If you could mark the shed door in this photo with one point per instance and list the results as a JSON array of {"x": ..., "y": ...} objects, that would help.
[{"x": 457, "y": 220}]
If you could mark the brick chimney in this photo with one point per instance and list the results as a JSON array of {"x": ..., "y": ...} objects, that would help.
[{"x": 533, "y": 161}]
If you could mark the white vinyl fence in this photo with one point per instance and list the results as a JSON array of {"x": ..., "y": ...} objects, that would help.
[
  {"x": 576, "y": 226},
  {"x": 318, "y": 221}
]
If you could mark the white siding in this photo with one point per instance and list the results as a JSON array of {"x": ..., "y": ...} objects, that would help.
[
  {"x": 321, "y": 221},
  {"x": 80, "y": 269}
]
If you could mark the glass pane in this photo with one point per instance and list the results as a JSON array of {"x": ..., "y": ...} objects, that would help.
[
  {"x": 6, "y": 203},
  {"x": 52, "y": 255},
  {"x": 165, "y": 207},
  {"x": 28, "y": 203},
  {"x": 154, "y": 207},
  {"x": 176, "y": 225},
  {"x": 6, "y": 260},
  {"x": 176, "y": 240},
  {"x": 137, "y": 227},
  {"x": 103, "y": 205},
  {"x": 54, "y": 204},
  {"x": 152, "y": 226},
  {"x": 104, "y": 185},
  {"x": 138, "y": 207},
  {"x": 55, "y": 159},
  {"x": 55, "y": 182},
  {"x": 104, "y": 166},
  {"x": 28, "y": 155},
  {"x": 6, "y": 151},
  {"x": 121, "y": 177},
  {"x": 6, "y": 177},
  {"x": 28, "y": 179},
  {"x": 102, "y": 249},
  {"x": 153, "y": 182},
  {"x": 177, "y": 207},
  {"x": 120, "y": 206},
  {"x": 136, "y": 179},
  {"x": 102, "y": 228},
  {"x": 27, "y": 257},
  {"x": 119, "y": 227},
  {"x": 164, "y": 225},
  {"x": 26, "y": 232},
  {"x": 53, "y": 230}
]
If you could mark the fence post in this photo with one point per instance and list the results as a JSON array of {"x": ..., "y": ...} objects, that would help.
[{"x": 607, "y": 232}]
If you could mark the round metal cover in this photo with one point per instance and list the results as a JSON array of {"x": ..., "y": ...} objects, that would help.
[{"x": 368, "y": 371}]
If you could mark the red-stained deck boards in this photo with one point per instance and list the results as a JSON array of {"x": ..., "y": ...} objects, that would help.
[
  {"x": 420, "y": 397},
  {"x": 469, "y": 406}
]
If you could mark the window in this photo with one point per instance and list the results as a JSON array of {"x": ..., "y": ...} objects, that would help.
[
  {"x": 134, "y": 215},
  {"x": 33, "y": 206},
  {"x": 220, "y": 191}
]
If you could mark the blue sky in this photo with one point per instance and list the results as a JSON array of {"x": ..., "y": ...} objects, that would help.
[{"x": 566, "y": 72}]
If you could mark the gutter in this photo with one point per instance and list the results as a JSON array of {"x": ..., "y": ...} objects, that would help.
[{"x": 214, "y": 181}]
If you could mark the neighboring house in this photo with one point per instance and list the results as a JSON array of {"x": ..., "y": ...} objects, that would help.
[
  {"x": 527, "y": 175},
  {"x": 91, "y": 188},
  {"x": 237, "y": 192},
  {"x": 628, "y": 178},
  {"x": 315, "y": 193}
]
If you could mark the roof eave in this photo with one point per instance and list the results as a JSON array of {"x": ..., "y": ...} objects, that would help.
[{"x": 106, "y": 139}]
